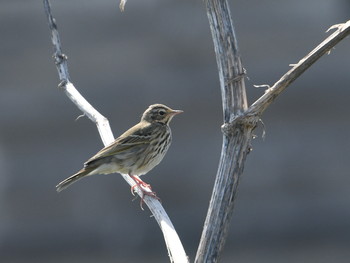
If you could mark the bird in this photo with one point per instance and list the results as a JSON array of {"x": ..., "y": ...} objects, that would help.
[{"x": 136, "y": 152}]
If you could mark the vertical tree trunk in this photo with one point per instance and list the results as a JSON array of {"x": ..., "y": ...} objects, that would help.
[{"x": 236, "y": 139}]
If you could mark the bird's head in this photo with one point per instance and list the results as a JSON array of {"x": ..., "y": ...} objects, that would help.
[{"x": 159, "y": 113}]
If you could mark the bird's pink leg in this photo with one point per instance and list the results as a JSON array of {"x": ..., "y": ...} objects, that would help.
[
  {"x": 139, "y": 182},
  {"x": 141, "y": 185}
]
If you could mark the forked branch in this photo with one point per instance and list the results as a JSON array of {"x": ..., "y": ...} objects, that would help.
[{"x": 239, "y": 121}]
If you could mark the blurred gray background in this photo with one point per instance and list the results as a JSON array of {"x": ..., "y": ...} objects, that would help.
[{"x": 294, "y": 200}]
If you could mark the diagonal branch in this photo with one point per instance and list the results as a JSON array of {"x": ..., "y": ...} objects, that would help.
[
  {"x": 176, "y": 251},
  {"x": 68, "y": 87},
  {"x": 260, "y": 105}
]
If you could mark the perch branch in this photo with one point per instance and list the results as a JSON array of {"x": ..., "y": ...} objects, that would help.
[
  {"x": 176, "y": 251},
  {"x": 239, "y": 121}
]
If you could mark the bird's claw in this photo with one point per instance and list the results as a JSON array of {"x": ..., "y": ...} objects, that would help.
[
  {"x": 151, "y": 194},
  {"x": 145, "y": 188}
]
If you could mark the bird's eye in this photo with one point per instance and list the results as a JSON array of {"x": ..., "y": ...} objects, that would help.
[{"x": 162, "y": 113}]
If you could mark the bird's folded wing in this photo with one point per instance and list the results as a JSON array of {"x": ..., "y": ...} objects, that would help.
[{"x": 122, "y": 144}]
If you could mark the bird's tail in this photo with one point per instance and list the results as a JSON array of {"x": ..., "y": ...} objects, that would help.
[{"x": 72, "y": 179}]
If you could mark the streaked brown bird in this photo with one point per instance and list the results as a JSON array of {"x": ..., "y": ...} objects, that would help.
[{"x": 135, "y": 152}]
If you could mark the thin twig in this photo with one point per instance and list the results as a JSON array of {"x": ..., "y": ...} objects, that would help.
[
  {"x": 259, "y": 106},
  {"x": 173, "y": 243},
  {"x": 122, "y": 5}
]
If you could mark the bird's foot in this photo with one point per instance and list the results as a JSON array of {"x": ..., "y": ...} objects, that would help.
[
  {"x": 139, "y": 182},
  {"x": 145, "y": 188},
  {"x": 151, "y": 194}
]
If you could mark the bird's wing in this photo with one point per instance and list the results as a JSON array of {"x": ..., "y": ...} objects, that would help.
[{"x": 140, "y": 134}]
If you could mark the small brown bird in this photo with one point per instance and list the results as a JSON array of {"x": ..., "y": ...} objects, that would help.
[{"x": 135, "y": 152}]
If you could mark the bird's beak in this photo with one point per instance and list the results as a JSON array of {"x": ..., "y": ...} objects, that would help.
[{"x": 175, "y": 112}]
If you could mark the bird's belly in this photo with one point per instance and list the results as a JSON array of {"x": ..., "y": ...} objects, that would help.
[{"x": 106, "y": 168}]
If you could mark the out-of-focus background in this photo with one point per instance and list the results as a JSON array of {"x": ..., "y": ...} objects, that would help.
[{"x": 294, "y": 200}]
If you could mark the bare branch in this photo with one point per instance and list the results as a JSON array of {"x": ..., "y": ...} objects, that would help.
[
  {"x": 240, "y": 121},
  {"x": 101, "y": 122},
  {"x": 68, "y": 87},
  {"x": 236, "y": 140},
  {"x": 231, "y": 72},
  {"x": 259, "y": 106},
  {"x": 122, "y": 5},
  {"x": 175, "y": 249}
]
